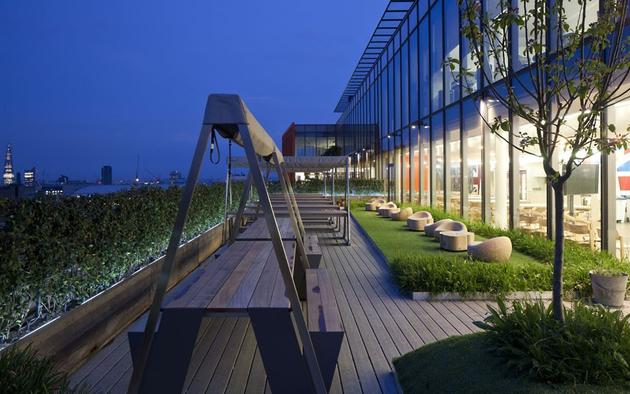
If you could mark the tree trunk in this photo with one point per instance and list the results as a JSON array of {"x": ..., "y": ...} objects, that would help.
[{"x": 558, "y": 257}]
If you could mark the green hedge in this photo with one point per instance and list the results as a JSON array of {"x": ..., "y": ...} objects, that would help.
[
  {"x": 58, "y": 252},
  {"x": 455, "y": 273},
  {"x": 578, "y": 259},
  {"x": 357, "y": 186}
]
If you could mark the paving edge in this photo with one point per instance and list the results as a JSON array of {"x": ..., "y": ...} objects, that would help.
[{"x": 449, "y": 296}]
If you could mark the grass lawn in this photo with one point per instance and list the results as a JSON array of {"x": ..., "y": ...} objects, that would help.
[
  {"x": 395, "y": 240},
  {"x": 418, "y": 263},
  {"x": 464, "y": 365}
]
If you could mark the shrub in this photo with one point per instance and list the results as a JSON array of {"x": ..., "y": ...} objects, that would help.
[
  {"x": 591, "y": 347},
  {"x": 578, "y": 259},
  {"x": 439, "y": 273},
  {"x": 21, "y": 371},
  {"x": 58, "y": 252}
]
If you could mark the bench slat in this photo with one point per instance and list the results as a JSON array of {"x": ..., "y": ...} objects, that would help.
[
  {"x": 242, "y": 280},
  {"x": 323, "y": 315},
  {"x": 209, "y": 282}
]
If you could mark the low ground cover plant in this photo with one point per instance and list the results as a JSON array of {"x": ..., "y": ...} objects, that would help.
[
  {"x": 592, "y": 346},
  {"x": 526, "y": 351},
  {"x": 22, "y": 371}
]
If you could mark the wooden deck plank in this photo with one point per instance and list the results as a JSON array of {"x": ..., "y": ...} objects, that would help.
[
  {"x": 385, "y": 286},
  {"x": 242, "y": 367},
  {"x": 462, "y": 316},
  {"x": 202, "y": 377},
  {"x": 387, "y": 333},
  {"x": 395, "y": 318},
  {"x": 201, "y": 348},
  {"x": 356, "y": 348},
  {"x": 257, "y": 378},
  {"x": 91, "y": 366},
  {"x": 219, "y": 381},
  {"x": 361, "y": 337}
]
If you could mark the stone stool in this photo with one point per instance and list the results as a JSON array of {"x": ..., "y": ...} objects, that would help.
[
  {"x": 456, "y": 241},
  {"x": 448, "y": 226}
]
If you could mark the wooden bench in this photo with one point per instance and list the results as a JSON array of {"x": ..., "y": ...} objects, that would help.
[
  {"x": 313, "y": 251},
  {"x": 245, "y": 280},
  {"x": 324, "y": 321}
]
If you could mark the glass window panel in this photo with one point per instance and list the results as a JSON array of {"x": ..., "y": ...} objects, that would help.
[
  {"x": 405, "y": 84},
  {"x": 404, "y": 30},
  {"x": 499, "y": 168},
  {"x": 425, "y": 163},
  {"x": 397, "y": 91},
  {"x": 619, "y": 115},
  {"x": 413, "y": 76},
  {"x": 392, "y": 95},
  {"x": 437, "y": 146},
  {"x": 423, "y": 6},
  {"x": 471, "y": 123},
  {"x": 423, "y": 36},
  {"x": 384, "y": 104},
  {"x": 453, "y": 175},
  {"x": 470, "y": 82},
  {"x": 437, "y": 100},
  {"x": 451, "y": 50}
]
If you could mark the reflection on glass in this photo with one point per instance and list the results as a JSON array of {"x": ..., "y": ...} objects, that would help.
[
  {"x": 437, "y": 95},
  {"x": 472, "y": 132},
  {"x": 619, "y": 115},
  {"x": 437, "y": 176},
  {"x": 451, "y": 50},
  {"x": 499, "y": 169},
  {"x": 453, "y": 175}
]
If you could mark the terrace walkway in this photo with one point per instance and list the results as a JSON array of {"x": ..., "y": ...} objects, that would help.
[{"x": 380, "y": 324}]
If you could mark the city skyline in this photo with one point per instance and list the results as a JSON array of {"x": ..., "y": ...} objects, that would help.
[{"x": 88, "y": 85}]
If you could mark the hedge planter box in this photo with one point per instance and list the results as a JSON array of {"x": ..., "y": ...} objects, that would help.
[
  {"x": 609, "y": 290},
  {"x": 517, "y": 295},
  {"x": 75, "y": 336}
]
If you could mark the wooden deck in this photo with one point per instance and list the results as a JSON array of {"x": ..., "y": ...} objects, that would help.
[{"x": 379, "y": 321}]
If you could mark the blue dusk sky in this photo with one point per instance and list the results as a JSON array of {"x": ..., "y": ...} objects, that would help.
[{"x": 89, "y": 83}]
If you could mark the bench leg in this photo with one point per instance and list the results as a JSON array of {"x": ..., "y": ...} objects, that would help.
[
  {"x": 299, "y": 277},
  {"x": 327, "y": 346},
  {"x": 171, "y": 351},
  {"x": 280, "y": 351}
]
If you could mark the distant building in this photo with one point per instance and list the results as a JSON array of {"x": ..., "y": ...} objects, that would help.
[
  {"x": 63, "y": 179},
  {"x": 52, "y": 190},
  {"x": 8, "y": 177},
  {"x": 106, "y": 175},
  {"x": 175, "y": 177},
  {"x": 30, "y": 177}
]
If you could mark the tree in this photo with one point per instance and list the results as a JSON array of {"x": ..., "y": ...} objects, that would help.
[{"x": 571, "y": 60}]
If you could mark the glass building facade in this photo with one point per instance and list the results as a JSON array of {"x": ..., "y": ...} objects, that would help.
[{"x": 434, "y": 148}]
